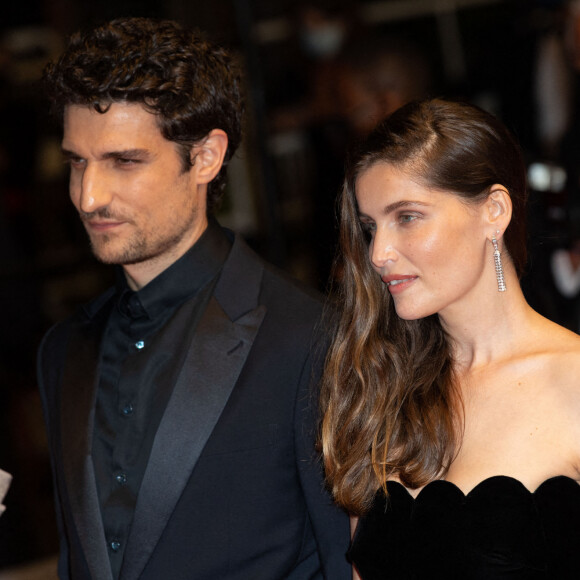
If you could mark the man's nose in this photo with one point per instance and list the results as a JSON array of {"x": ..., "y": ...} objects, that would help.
[{"x": 93, "y": 192}]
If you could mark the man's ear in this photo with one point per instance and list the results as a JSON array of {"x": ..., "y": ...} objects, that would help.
[
  {"x": 208, "y": 156},
  {"x": 498, "y": 210}
]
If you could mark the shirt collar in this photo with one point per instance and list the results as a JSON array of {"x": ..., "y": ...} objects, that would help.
[{"x": 183, "y": 279}]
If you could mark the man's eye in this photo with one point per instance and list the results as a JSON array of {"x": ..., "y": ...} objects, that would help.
[{"x": 74, "y": 161}]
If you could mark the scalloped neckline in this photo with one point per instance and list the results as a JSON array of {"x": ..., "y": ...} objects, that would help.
[{"x": 482, "y": 484}]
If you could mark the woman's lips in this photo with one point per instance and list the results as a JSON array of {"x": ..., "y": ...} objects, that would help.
[{"x": 397, "y": 283}]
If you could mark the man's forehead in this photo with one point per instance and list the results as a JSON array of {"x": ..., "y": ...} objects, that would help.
[{"x": 124, "y": 125}]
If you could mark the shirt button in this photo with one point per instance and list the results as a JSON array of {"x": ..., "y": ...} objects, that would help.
[
  {"x": 115, "y": 545},
  {"x": 135, "y": 307},
  {"x": 121, "y": 478},
  {"x": 127, "y": 410},
  {"x": 139, "y": 344}
]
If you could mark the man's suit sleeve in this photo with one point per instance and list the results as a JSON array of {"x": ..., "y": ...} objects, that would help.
[
  {"x": 49, "y": 366},
  {"x": 330, "y": 523}
]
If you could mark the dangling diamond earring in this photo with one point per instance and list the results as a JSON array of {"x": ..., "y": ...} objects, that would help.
[{"x": 498, "y": 265}]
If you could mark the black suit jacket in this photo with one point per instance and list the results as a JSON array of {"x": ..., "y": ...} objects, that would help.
[{"x": 232, "y": 490}]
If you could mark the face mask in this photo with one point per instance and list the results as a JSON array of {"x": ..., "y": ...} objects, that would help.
[{"x": 323, "y": 41}]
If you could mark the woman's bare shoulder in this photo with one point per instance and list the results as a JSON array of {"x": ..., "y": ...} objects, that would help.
[
  {"x": 558, "y": 377},
  {"x": 556, "y": 352},
  {"x": 555, "y": 339}
]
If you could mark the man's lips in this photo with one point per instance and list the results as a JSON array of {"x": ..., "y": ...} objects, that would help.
[{"x": 103, "y": 225}]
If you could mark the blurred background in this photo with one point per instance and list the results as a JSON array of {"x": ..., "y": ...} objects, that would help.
[{"x": 319, "y": 75}]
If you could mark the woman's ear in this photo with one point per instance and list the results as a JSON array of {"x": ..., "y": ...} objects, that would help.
[
  {"x": 208, "y": 156},
  {"x": 498, "y": 210}
]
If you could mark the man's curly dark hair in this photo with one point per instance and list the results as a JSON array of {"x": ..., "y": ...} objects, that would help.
[{"x": 192, "y": 85}]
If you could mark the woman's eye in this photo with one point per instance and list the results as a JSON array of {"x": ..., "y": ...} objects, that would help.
[
  {"x": 407, "y": 218},
  {"x": 368, "y": 226}
]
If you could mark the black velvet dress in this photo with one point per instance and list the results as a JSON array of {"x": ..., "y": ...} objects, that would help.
[{"x": 500, "y": 530}]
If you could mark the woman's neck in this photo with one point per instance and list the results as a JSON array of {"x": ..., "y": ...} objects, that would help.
[{"x": 489, "y": 330}]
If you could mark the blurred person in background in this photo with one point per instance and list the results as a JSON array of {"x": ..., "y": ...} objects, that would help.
[{"x": 5, "y": 479}]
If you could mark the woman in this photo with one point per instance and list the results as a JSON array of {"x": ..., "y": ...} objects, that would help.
[{"x": 451, "y": 409}]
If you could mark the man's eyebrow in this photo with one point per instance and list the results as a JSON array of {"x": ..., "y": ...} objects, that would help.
[
  {"x": 124, "y": 154},
  {"x": 68, "y": 153}
]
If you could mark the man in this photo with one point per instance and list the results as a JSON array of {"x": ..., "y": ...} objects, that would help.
[{"x": 178, "y": 404}]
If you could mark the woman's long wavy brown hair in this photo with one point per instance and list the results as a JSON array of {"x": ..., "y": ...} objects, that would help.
[{"x": 390, "y": 402}]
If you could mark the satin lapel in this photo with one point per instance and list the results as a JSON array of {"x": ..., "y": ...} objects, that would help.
[
  {"x": 215, "y": 359},
  {"x": 78, "y": 404}
]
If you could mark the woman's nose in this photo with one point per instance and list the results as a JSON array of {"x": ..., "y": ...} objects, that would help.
[{"x": 381, "y": 250}]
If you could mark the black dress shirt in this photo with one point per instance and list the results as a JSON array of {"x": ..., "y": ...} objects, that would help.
[{"x": 143, "y": 351}]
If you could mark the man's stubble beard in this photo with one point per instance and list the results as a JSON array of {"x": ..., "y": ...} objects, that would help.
[
  {"x": 137, "y": 248},
  {"x": 133, "y": 252}
]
